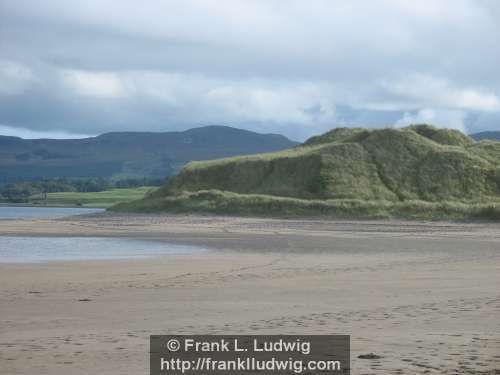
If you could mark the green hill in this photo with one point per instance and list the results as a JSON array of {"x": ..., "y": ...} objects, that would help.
[
  {"x": 418, "y": 171},
  {"x": 127, "y": 154}
]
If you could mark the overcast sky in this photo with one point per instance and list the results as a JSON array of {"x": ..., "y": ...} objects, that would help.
[{"x": 85, "y": 67}]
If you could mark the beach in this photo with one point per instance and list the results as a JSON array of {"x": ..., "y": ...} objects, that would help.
[{"x": 424, "y": 297}]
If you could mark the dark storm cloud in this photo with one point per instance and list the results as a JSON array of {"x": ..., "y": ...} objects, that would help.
[{"x": 294, "y": 67}]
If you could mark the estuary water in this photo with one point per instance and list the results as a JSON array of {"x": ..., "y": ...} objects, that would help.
[
  {"x": 48, "y": 249},
  {"x": 11, "y": 212}
]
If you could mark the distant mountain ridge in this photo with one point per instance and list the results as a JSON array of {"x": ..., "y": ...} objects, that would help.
[
  {"x": 128, "y": 154},
  {"x": 491, "y": 135}
]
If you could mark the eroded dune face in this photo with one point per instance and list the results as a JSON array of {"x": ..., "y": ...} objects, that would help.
[
  {"x": 346, "y": 171},
  {"x": 418, "y": 162}
]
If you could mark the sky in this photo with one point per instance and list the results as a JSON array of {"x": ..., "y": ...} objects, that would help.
[{"x": 294, "y": 67}]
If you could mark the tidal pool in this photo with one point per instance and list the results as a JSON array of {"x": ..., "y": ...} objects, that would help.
[
  {"x": 48, "y": 249},
  {"x": 12, "y": 212}
]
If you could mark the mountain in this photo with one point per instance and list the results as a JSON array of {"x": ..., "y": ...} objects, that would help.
[
  {"x": 127, "y": 154},
  {"x": 493, "y": 136},
  {"x": 342, "y": 169}
]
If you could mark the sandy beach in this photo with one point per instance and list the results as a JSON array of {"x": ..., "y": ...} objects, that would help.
[{"x": 425, "y": 297}]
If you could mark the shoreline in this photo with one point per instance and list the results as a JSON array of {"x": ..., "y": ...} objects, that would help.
[
  {"x": 32, "y": 205},
  {"x": 148, "y": 223}
]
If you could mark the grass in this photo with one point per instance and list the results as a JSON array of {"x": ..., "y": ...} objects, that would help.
[
  {"x": 418, "y": 171},
  {"x": 101, "y": 199},
  {"x": 415, "y": 163},
  {"x": 227, "y": 203}
]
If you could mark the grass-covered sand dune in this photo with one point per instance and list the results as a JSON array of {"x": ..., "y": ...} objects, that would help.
[{"x": 417, "y": 172}]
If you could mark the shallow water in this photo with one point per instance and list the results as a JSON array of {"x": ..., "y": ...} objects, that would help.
[
  {"x": 47, "y": 249},
  {"x": 9, "y": 212}
]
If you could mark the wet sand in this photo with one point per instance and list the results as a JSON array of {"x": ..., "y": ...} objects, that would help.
[{"x": 423, "y": 296}]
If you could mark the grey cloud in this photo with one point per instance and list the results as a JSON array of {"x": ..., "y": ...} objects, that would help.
[{"x": 293, "y": 67}]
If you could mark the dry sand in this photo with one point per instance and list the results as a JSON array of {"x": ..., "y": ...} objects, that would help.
[{"x": 424, "y": 296}]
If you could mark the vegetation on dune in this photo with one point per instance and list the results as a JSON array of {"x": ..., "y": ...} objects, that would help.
[
  {"x": 418, "y": 171},
  {"x": 227, "y": 203},
  {"x": 442, "y": 136}
]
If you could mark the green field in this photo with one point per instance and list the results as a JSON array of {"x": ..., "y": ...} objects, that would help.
[{"x": 102, "y": 199}]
